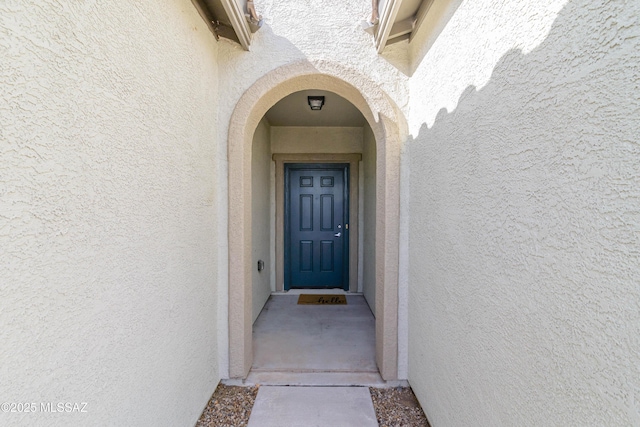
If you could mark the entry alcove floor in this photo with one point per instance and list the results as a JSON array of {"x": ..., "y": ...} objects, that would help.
[{"x": 314, "y": 344}]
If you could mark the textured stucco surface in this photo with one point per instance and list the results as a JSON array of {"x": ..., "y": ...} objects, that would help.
[
  {"x": 261, "y": 221},
  {"x": 107, "y": 216},
  {"x": 524, "y": 299},
  {"x": 327, "y": 30}
]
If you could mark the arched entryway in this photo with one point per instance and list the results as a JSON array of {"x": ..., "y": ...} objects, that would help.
[{"x": 387, "y": 125}]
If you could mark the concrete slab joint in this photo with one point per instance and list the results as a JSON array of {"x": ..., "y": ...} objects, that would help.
[{"x": 386, "y": 122}]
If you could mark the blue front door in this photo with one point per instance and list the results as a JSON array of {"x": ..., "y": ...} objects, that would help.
[{"x": 316, "y": 231}]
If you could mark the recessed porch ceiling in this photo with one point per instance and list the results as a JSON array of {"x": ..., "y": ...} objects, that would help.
[{"x": 293, "y": 110}]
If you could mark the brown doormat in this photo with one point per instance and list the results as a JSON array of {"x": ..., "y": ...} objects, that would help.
[{"x": 322, "y": 299}]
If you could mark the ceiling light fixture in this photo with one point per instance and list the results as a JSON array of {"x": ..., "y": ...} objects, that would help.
[{"x": 316, "y": 102}]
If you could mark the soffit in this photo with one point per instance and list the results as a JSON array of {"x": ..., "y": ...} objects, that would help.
[
  {"x": 398, "y": 20},
  {"x": 408, "y": 9},
  {"x": 230, "y": 19},
  {"x": 294, "y": 110}
]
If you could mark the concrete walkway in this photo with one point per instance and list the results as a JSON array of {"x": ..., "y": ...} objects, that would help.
[{"x": 278, "y": 406}]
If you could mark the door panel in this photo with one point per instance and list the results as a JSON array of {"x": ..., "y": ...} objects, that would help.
[
  {"x": 306, "y": 212},
  {"x": 326, "y": 256},
  {"x": 316, "y": 239},
  {"x": 326, "y": 212}
]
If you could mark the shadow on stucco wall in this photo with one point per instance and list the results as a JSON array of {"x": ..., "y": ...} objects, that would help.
[
  {"x": 524, "y": 305},
  {"x": 440, "y": 13}
]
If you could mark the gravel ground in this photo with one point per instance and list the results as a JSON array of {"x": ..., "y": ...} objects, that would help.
[
  {"x": 230, "y": 406},
  {"x": 397, "y": 407}
]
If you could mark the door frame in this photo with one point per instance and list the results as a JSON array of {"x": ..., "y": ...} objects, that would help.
[{"x": 353, "y": 160}]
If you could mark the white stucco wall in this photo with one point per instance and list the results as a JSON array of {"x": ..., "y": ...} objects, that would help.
[
  {"x": 108, "y": 183},
  {"x": 262, "y": 221},
  {"x": 524, "y": 304},
  {"x": 369, "y": 219}
]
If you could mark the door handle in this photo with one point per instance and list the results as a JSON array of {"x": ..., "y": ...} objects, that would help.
[{"x": 338, "y": 234}]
